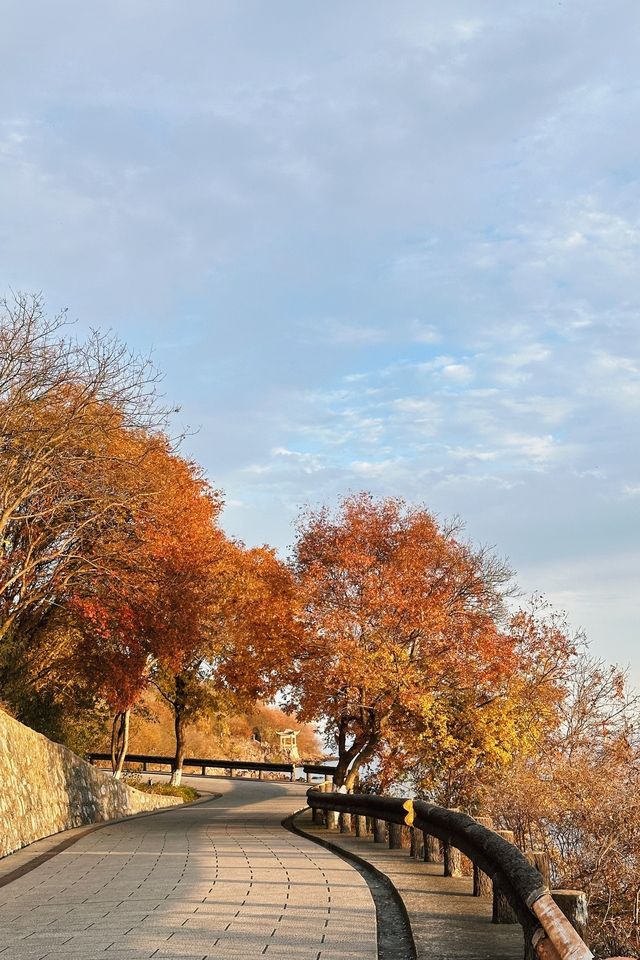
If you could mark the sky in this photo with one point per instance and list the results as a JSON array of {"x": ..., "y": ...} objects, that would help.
[{"x": 383, "y": 246}]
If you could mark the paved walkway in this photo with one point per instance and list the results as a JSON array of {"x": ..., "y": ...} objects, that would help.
[
  {"x": 213, "y": 881},
  {"x": 447, "y": 922}
]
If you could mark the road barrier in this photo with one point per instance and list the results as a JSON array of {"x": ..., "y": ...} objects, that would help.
[
  {"x": 206, "y": 763},
  {"x": 520, "y": 893}
]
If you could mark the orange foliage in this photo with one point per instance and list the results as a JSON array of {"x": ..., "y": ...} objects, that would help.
[
  {"x": 254, "y": 631},
  {"x": 156, "y": 611},
  {"x": 393, "y": 606},
  {"x": 225, "y": 733},
  {"x": 578, "y": 798},
  {"x": 477, "y": 731}
]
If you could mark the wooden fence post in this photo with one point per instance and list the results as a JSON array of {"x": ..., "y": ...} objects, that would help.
[
  {"x": 573, "y": 904},
  {"x": 482, "y": 884},
  {"x": 502, "y": 910},
  {"x": 452, "y": 858},
  {"x": 415, "y": 849},
  {"x": 432, "y": 849},
  {"x": 360, "y": 825},
  {"x": 395, "y": 836},
  {"x": 379, "y": 831},
  {"x": 540, "y": 860},
  {"x": 452, "y": 861},
  {"x": 344, "y": 822}
]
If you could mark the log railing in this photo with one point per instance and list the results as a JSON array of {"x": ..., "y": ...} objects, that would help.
[
  {"x": 206, "y": 763},
  {"x": 548, "y": 932}
]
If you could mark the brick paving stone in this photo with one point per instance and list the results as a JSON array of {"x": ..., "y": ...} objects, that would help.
[{"x": 213, "y": 881}]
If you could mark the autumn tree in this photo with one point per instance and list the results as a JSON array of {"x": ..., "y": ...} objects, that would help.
[
  {"x": 474, "y": 733},
  {"x": 75, "y": 421},
  {"x": 395, "y": 608},
  {"x": 151, "y": 621},
  {"x": 577, "y": 798},
  {"x": 246, "y": 634},
  {"x": 112, "y": 654}
]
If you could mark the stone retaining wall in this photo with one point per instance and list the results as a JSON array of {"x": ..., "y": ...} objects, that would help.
[{"x": 45, "y": 788}]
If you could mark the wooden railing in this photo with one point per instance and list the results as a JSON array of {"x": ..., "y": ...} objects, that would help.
[
  {"x": 509, "y": 875},
  {"x": 206, "y": 763}
]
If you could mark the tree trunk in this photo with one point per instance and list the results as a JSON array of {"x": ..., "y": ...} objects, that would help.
[
  {"x": 179, "y": 726},
  {"x": 119, "y": 741},
  {"x": 362, "y": 758}
]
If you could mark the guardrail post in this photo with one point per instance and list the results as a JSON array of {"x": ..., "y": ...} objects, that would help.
[
  {"x": 379, "y": 831},
  {"x": 573, "y": 904},
  {"x": 452, "y": 860},
  {"x": 540, "y": 860},
  {"x": 332, "y": 820},
  {"x": 344, "y": 822},
  {"x": 502, "y": 909},
  {"x": 360, "y": 825},
  {"x": 432, "y": 849},
  {"x": 414, "y": 845},
  {"x": 395, "y": 836},
  {"x": 330, "y": 816},
  {"x": 482, "y": 883}
]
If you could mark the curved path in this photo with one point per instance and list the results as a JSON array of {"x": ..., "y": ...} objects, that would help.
[{"x": 221, "y": 879}]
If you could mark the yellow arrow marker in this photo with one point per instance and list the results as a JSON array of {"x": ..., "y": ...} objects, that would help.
[{"x": 408, "y": 806}]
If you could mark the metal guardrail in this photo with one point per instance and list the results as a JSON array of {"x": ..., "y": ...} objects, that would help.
[
  {"x": 218, "y": 764},
  {"x": 546, "y": 929}
]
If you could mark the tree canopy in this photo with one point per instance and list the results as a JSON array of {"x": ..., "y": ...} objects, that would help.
[{"x": 394, "y": 607}]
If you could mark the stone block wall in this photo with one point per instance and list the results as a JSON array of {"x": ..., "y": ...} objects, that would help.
[{"x": 45, "y": 788}]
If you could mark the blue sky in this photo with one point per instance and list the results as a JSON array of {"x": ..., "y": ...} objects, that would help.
[{"x": 382, "y": 246}]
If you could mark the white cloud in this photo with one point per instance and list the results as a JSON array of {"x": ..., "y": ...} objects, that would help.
[
  {"x": 457, "y": 372},
  {"x": 468, "y": 453},
  {"x": 379, "y": 468},
  {"x": 538, "y": 449}
]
